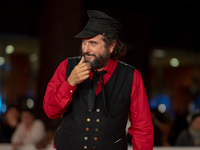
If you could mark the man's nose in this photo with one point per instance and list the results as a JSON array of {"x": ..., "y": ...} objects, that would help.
[{"x": 85, "y": 47}]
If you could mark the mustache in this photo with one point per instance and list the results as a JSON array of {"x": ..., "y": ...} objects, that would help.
[{"x": 88, "y": 54}]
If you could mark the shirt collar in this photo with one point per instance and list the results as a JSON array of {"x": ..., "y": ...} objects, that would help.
[{"x": 111, "y": 66}]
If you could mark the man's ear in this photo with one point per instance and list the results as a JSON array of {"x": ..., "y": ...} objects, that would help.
[{"x": 112, "y": 46}]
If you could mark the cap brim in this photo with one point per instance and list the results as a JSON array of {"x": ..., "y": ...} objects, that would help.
[{"x": 86, "y": 34}]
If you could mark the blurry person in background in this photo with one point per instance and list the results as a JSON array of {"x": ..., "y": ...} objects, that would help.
[
  {"x": 29, "y": 132},
  {"x": 47, "y": 141},
  {"x": 191, "y": 135},
  {"x": 162, "y": 128},
  {"x": 11, "y": 121}
]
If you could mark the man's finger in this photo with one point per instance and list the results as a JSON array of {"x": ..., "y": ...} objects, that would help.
[
  {"x": 84, "y": 66},
  {"x": 82, "y": 60}
]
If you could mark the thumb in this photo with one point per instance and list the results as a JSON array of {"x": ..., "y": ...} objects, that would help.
[{"x": 82, "y": 60}]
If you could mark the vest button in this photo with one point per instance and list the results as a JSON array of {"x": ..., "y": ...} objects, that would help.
[
  {"x": 85, "y": 138},
  {"x": 87, "y": 129},
  {"x": 94, "y": 148},
  {"x": 95, "y": 138},
  {"x": 96, "y": 129},
  {"x": 98, "y": 110},
  {"x": 85, "y": 147},
  {"x": 89, "y": 110},
  {"x": 97, "y": 120},
  {"x": 88, "y": 119}
]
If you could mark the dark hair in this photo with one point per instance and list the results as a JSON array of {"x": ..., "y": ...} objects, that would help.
[
  {"x": 120, "y": 48},
  {"x": 13, "y": 106},
  {"x": 32, "y": 112}
]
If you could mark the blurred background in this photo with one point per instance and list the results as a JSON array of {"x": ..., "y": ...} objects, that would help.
[{"x": 162, "y": 39}]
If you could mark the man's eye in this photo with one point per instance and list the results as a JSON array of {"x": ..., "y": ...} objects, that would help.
[{"x": 93, "y": 43}]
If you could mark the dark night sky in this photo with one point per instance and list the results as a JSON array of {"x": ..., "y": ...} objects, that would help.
[
  {"x": 172, "y": 23},
  {"x": 19, "y": 16}
]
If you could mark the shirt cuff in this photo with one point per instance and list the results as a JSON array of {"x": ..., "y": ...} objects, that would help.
[{"x": 66, "y": 89}]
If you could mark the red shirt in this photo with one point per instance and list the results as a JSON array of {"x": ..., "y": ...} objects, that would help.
[{"x": 59, "y": 94}]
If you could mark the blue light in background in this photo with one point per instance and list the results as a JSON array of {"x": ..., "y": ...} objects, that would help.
[
  {"x": 197, "y": 103},
  {"x": 3, "y": 108},
  {"x": 158, "y": 100},
  {"x": 0, "y": 103}
]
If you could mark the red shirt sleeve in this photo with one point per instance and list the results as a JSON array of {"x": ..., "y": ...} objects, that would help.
[
  {"x": 58, "y": 93},
  {"x": 141, "y": 128}
]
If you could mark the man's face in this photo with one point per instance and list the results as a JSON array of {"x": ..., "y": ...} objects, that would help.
[
  {"x": 27, "y": 118},
  {"x": 95, "y": 53},
  {"x": 196, "y": 123}
]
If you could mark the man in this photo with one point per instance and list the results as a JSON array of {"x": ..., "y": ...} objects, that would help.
[{"x": 95, "y": 94}]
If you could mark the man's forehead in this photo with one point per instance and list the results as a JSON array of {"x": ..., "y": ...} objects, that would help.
[{"x": 97, "y": 37}]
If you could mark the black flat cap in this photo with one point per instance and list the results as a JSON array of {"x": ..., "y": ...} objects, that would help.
[{"x": 100, "y": 23}]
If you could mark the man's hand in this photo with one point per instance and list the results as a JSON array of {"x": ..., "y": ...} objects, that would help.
[
  {"x": 15, "y": 145},
  {"x": 79, "y": 73}
]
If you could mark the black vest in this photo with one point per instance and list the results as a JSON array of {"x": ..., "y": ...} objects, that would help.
[{"x": 81, "y": 129}]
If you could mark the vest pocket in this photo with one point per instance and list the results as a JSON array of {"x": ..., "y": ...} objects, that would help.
[{"x": 120, "y": 144}]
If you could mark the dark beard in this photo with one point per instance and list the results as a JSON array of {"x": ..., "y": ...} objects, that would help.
[{"x": 98, "y": 62}]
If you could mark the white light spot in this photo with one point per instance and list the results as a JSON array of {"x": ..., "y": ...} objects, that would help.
[
  {"x": 9, "y": 49},
  {"x": 174, "y": 62},
  {"x": 162, "y": 108},
  {"x": 30, "y": 103},
  {"x": 2, "y": 60},
  {"x": 33, "y": 57}
]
